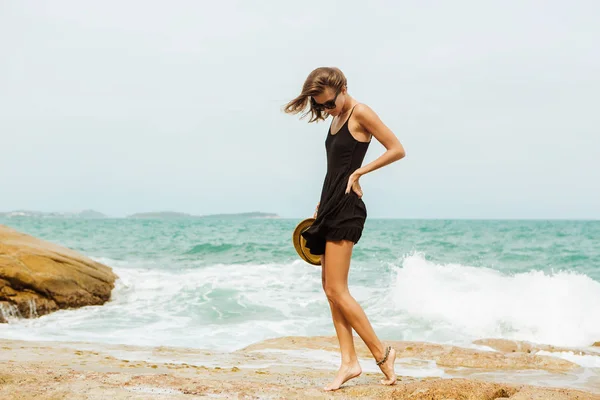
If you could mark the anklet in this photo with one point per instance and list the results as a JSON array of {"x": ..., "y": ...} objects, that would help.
[{"x": 387, "y": 353}]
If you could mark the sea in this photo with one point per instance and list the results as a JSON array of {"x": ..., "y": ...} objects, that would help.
[{"x": 224, "y": 284}]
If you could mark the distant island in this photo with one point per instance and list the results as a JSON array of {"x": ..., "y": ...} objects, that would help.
[
  {"x": 90, "y": 214},
  {"x": 179, "y": 215},
  {"x": 254, "y": 214},
  {"x": 160, "y": 214}
]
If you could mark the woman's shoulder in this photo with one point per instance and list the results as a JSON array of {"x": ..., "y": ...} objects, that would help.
[{"x": 362, "y": 112}]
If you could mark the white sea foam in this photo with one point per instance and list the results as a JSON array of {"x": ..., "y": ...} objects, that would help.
[
  {"x": 226, "y": 307},
  {"x": 482, "y": 303},
  {"x": 588, "y": 361}
]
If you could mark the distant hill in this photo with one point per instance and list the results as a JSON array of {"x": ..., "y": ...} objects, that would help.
[
  {"x": 161, "y": 214},
  {"x": 254, "y": 214},
  {"x": 92, "y": 214},
  {"x": 175, "y": 215},
  {"x": 40, "y": 214}
]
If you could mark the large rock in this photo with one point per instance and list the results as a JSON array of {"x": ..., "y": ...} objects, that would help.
[{"x": 38, "y": 277}]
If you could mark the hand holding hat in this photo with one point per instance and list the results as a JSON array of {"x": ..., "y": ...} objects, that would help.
[{"x": 300, "y": 242}]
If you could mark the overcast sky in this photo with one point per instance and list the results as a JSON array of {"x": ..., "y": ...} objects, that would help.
[{"x": 132, "y": 106}]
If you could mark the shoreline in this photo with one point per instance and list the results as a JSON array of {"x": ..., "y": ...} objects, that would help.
[{"x": 287, "y": 368}]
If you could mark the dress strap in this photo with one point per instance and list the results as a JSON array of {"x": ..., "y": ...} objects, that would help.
[
  {"x": 347, "y": 119},
  {"x": 351, "y": 111}
]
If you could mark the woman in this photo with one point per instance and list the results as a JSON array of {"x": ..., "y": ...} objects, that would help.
[{"x": 341, "y": 212}]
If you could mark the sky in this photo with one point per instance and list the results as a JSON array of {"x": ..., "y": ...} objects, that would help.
[{"x": 138, "y": 106}]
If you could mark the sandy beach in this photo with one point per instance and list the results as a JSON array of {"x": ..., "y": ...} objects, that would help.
[{"x": 288, "y": 368}]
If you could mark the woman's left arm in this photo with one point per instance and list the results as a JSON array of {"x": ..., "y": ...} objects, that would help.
[{"x": 371, "y": 123}]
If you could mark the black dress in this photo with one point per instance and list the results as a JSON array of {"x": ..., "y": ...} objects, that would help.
[{"x": 340, "y": 215}]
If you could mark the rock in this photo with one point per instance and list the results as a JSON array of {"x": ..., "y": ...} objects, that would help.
[
  {"x": 453, "y": 389},
  {"x": 597, "y": 344},
  {"x": 46, "y": 370},
  {"x": 505, "y": 345},
  {"x": 39, "y": 277},
  {"x": 515, "y": 346},
  {"x": 444, "y": 355},
  {"x": 534, "y": 393}
]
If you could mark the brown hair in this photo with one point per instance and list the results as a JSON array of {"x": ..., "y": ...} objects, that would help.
[{"x": 315, "y": 84}]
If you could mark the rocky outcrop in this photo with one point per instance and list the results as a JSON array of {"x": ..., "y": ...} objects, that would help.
[
  {"x": 60, "y": 370},
  {"x": 444, "y": 355},
  {"x": 516, "y": 346},
  {"x": 38, "y": 277}
]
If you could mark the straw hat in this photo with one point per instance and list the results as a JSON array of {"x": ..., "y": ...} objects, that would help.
[{"x": 300, "y": 242}]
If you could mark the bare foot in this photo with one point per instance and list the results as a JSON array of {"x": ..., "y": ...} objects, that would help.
[
  {"x": 346, "y": 372},
  {"x": 388, "y": 369}
]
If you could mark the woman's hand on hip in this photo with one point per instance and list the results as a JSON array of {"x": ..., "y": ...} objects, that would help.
[{"x": 354, "y": 185}]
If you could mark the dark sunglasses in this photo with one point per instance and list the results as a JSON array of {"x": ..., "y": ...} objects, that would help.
[{"x": 328, "y": 105}]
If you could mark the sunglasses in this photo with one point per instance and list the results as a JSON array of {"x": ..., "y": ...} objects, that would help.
[{"x": 328, "y": 105}]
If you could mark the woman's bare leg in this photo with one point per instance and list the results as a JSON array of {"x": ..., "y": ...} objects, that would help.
[
  {"x": 350, "y": 367},
  {"x": 337, "y": 261}
]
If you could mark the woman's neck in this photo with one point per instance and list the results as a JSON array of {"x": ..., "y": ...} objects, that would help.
[{"x": 348, "y": 104}]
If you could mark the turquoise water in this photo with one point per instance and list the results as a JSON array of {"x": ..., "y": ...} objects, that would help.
[{"x": 228, "y": 283}]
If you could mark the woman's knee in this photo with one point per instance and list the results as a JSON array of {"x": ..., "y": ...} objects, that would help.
[{"x": 334, "y": 293}]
